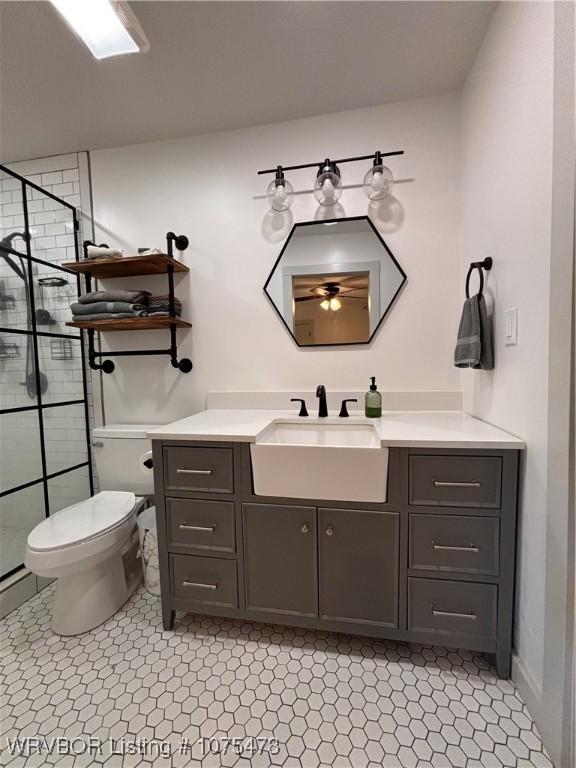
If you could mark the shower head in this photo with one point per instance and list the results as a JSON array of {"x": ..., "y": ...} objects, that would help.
[{"x": 6, "y": 242}]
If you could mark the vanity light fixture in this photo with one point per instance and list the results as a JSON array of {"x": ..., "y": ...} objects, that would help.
[
  {"x": 328, "y": 184},
  {"x": 379, "y": 180},
  {"x": 280, "y": 192},
  {"x": 107, "y": 27}
]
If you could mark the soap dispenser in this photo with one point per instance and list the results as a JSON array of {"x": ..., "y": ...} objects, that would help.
[{"x": 373, "y": 401}]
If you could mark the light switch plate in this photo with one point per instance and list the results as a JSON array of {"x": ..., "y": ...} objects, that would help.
[{"x": 511, "y": 326}]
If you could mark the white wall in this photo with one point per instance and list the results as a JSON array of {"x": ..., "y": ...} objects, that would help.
[
  {"x": 207, "y": 188},
  {"x": 507, "y": 124}
]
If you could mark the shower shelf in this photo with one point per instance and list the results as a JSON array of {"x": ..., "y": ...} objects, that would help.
[{"x": 132, "y": 266}]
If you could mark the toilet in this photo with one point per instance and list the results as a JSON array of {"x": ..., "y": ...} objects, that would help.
[{"x": 91, "y": 547}]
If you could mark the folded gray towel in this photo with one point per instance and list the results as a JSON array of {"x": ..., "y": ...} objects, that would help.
[
  {"x": 99, "y": 252},
  {"x": 162, "y": 312},
  {"x": 104, "y": 316},
  {"x": 132, "y": 297},
  {"x": 97, "y": 307},
  {"x": 474, "y": 342}
]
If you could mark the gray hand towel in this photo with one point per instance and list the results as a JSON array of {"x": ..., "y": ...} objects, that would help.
[
  {"x": 97, "y": 307},
  {"x": 474, "y": 343},
  {"x": 132, "y": 297},
  {"x": 103, "y": 316},
  {"x": 487, "y": 352}
]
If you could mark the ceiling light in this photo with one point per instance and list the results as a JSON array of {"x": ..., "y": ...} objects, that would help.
[
  {"x": 280, "y": 192},
  {"x": 328, "y": 186},
  {"x": 107, "y": 27},
  {"x": 331, "y": 303},
  {"x": 379, "y": 180}
]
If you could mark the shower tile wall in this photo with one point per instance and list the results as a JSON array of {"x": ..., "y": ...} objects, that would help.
[{"x": 51, "y": 226}]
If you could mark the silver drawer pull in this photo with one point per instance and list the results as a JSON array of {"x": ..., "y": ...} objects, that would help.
[
  {"x": 451, "y": 614},
  {"x": 330, "y": 531},
  {"x": 449, "y": 484},
  {"x": 182, "y": 471},
  {"x": 199, "y": 585},
  {"x": 447, "y": 548},
  {"x": 202, "y": 528}
]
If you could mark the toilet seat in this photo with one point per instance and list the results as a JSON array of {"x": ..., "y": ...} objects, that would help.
[
  {"x": 83, "y": 534},
  {"x": 83, "y": 522}
]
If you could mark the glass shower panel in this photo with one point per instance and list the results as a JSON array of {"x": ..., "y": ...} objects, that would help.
[
  {"x": 16, "y": 368},
  {"x": 15, "y": 310},
  {"x": 51, "y": 226},
  {"x": 20, "y": 450},
  {"x": 68, "y": 489},
  {"x": 61, "y": 363},
  {"x": 39, "y": 434},
  {"x": 11, "y": 210},
  {"x": 19, "y": 513},
  {"x": 64, "y": 437},
  {"x": 54, "y": 291}
]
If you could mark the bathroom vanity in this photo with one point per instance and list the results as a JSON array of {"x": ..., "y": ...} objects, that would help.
[{"x": 433, "y": 563}]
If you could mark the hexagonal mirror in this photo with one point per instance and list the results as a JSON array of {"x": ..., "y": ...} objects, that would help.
[{"x": 334, "y": 282}]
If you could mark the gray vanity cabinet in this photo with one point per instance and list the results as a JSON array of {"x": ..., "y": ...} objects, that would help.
[
  {"x": 280, "y": 563},
  {"x": 434, "y": 564},
  {"x": 359, "y": 566}
]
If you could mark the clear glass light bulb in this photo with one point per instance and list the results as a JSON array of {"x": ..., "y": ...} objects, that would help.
[
  {"x": 378, "y": 182},
  {"x": 280, "y": 194},
  {"x": 328, "y": 188}
]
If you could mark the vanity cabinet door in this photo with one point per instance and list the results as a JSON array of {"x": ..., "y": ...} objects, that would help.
[
  {"x": 280, "y": 563},
  {"x": 359, "y": 554}
]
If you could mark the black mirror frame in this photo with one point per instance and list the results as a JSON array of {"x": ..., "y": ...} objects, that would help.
[{"x": 334, "y": 221}]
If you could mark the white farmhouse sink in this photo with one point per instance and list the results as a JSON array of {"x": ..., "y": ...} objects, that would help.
[{"x": 338, "y": 462}]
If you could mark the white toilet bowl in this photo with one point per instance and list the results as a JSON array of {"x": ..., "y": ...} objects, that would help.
[{"x": 90, "y": 548}]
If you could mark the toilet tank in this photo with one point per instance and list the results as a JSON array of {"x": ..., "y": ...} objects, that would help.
[{"x": 119, "y": 451}]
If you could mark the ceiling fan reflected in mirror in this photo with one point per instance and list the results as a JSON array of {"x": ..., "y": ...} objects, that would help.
[{"x": 331, "y": 293}]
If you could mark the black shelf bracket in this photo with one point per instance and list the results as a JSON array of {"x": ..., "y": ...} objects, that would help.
[{"x": 107, "y": 366}]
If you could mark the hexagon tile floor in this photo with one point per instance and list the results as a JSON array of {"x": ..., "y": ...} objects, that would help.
[{"x": 217, "y": 692}]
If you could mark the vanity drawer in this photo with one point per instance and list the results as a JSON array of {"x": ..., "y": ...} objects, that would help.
[
  {"x": 453, "y": 610},
  {"x": 455, "y": 481},
  {"x": 199, "y": 469},
  {"x": 204, "y": 581},
  {"x": 458, "y": 543},
  {"x": 195, "y": 524}
]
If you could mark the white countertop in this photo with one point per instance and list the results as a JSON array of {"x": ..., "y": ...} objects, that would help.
[{"x": 413, "y": 429}]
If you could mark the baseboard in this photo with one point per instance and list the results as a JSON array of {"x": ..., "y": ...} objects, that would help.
[
  {"x": 16, "y": 591},
  {"x": 527, "y": 688}
]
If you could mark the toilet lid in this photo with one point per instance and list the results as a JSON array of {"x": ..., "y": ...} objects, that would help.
[{"x": 83, "y": 521}]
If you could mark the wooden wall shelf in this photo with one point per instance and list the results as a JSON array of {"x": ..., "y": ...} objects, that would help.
[
  {"x": 132, "y": 266},
  {"x": 130, "y": 324},
  {"x": 127, "y": 266}
]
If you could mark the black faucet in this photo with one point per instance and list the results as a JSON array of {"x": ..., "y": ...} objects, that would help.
[
  {"x": 303, "y": 409},
  {"x": 323, "y": 408},
  {"x": 344, "y": 410}
]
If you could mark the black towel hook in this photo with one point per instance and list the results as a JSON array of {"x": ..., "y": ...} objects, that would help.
[{"x": 485, "y": 264}]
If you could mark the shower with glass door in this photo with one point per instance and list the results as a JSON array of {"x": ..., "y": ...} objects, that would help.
[{"x": 44, "y": 417}]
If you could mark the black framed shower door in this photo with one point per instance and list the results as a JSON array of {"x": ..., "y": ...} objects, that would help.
[{"x": 45, "y": 461}]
